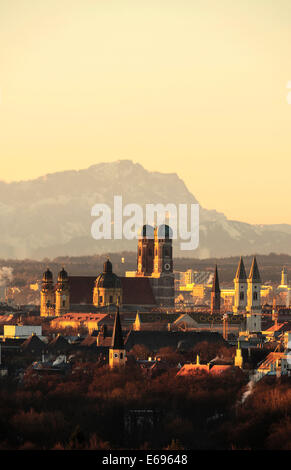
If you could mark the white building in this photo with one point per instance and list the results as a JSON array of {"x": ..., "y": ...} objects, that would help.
[{"x": 21, "y": 331}]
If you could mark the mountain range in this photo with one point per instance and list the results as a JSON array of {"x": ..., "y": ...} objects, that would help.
[{"x": 51, "y": 216}]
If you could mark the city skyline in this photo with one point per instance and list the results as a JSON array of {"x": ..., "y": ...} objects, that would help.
[{"x": 145, "y": 244}]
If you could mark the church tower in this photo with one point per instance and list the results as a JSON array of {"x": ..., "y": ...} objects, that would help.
[
  {"x": 163, "y": 258},
  {"x": 117, "y": 353},
  {"x": 284, "y": 278},
  {"x": 62, "y": 293},
  {"x": 162, "y": 279},
  {"x": 254, "y": 299},
  {"x": 240, "y": 288},
  {"x": 215, "y": 294},
  {"x": 47, "y": 295},
  {"x": 145, "y": 252}
]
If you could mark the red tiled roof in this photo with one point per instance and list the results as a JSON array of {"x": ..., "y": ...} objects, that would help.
[
  {"x": 136, "y": 291},
  {"x": 82, "y": 316},
  {"x": 81, "y": 289},
  {"x": 219, "y": 369},
  {"x": 189, "y": 369}
]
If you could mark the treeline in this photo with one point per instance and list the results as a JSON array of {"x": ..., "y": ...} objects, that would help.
[
  {"x": 92, "y": 407},
  {"x": 263, "y": 421},
  {"x": 89, "y": 409},
  {"x": 28, "y": 270}
]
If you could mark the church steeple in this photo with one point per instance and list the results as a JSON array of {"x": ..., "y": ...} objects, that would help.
[
  {"x": 215, "y": 285},
  {"x": 117, "y": 339},
  {"x": 254, "y": 272},
  {"x": 215, "y": 294},
  {"x": 117, "y": 354},
  {"x": 254, "y": 308},
  {"x": 240, "y": 288},
  {"x": 241, "y": 272}
]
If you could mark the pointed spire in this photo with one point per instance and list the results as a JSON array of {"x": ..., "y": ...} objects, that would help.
[
  {"x": 117, "y": 339},
  {"x": 215, "y": 284},
  {"x": 241, "y": 272},
  {"x": 198, "y": 360},
  {"x": 254, "y": 272}
]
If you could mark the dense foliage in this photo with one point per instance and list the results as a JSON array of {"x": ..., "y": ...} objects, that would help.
[{"x": 88, "y": 409}]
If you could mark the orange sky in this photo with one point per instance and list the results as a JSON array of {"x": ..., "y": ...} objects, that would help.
[{"x": 193, "y": 87}]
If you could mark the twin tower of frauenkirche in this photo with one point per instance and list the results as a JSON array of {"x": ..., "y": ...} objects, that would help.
[{"x": 155, "y": 252}]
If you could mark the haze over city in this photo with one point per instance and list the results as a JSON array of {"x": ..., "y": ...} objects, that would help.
[{"x": 195, "y": 88}]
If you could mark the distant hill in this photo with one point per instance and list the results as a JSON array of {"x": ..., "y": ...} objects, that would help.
[{"x": 51, "y": 216}]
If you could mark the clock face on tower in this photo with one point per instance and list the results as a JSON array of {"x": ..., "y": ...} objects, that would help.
[{"x": 167, "y": 266}]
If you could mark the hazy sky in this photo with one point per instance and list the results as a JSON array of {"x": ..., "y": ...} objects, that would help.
[{"x": 196, "y": 87}]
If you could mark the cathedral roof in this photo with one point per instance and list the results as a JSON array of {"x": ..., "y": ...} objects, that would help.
[
  {"x": 135, "y": 291},
  {"x": 254, "y": 272},
  {"x": 241, "y": 272}
]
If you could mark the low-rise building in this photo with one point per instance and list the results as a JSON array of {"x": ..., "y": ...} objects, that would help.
[{"x": 22, "y": 331}]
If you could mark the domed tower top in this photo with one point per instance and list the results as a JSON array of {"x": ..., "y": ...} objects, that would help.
[
  {"x": 165, "y": 232},
  {"x": 147, "y": 232},
  {"x": 63, "y": 275},
  {"x": 108, "y": 279},
  {"x": 47, "y": 276}
]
